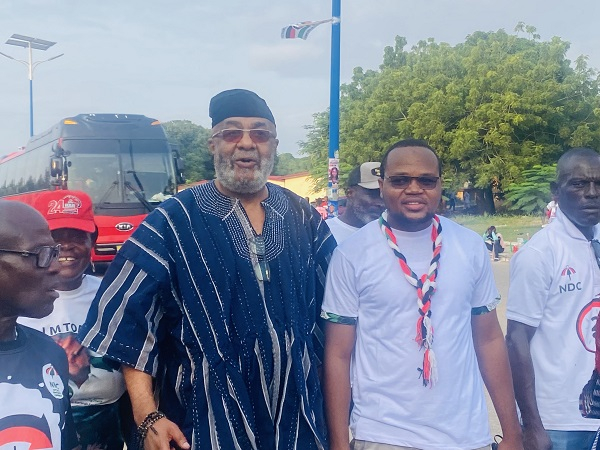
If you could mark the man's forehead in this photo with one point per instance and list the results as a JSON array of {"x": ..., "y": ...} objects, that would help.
[
  {"x": 402, "y": 159},
  {"x": 364, "y": 190},
  {"x": 240, "y": 122},
  {"x": 581, "y": 167},
  {"x": 21, "y": 224}
]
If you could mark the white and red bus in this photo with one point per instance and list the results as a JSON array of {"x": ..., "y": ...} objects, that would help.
[{"x": 123, "y": 161}]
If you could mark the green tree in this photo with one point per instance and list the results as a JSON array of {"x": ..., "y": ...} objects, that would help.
[
  {"x": 531, "y": 195},
  {"x": 316, "y": 147},
  {"x": 287, "y": 163},
  {"x": 192, "y": 141},
  {"x": 492, "y": 106}
]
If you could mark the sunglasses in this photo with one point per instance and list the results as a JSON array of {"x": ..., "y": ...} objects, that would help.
[
  {"x": 256, "y": 246},
  {"x": 596, "y": 247},
  {"x": 404, "y": 181},
  {"x": 234, "y": 135},
  {"x": 43, "y": 255}
]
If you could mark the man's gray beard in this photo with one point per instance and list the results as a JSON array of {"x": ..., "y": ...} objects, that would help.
[
  {"x": 226, "y": 175},
  {"x": 366, "y": 217}
]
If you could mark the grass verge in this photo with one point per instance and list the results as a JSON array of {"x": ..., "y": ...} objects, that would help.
[{"x": 511, "y": 227}]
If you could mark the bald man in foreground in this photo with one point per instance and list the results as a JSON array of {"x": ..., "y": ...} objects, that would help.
[
  {"x": 552, "y": 307},
  {"x": 35, "y": 407}
]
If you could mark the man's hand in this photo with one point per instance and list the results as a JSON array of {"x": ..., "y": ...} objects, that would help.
[
  {"x": 160, "y": 435},
  {"x": 340, "y": 446},
  {"x": 162, "y": 432},
  {"x": 536, "y": 439},
  {"x": 511, "y": 444}
]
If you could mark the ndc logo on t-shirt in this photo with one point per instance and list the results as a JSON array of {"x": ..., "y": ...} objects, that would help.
[
  {"x": 569, "y": 285},
  {"x": 25, "y": 432},
  {"x": 53, "y": 381},
  {"x": 587, "y": 324}
]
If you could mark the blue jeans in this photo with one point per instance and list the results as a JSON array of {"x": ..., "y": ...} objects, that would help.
[{"x": 571, "y": 440}]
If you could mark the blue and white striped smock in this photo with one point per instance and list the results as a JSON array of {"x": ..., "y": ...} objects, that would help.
[{"x": 181, "y": 302}]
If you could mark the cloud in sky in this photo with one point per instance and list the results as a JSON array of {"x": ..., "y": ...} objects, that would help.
[
  {"x": 290, "y": 58},
  {"x": 167, "y": 59}
]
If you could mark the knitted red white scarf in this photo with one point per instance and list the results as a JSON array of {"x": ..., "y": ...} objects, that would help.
[{"x": 425, "y": 286}]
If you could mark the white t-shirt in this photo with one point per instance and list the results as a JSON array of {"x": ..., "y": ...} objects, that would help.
[
  {"x": 555, "y": 287},
  {"x": 104, "y": 385},
  {"x": 552, "y": 206},
  {"x": 340, "y": 230},
  {"x": 391, "y": 405}
]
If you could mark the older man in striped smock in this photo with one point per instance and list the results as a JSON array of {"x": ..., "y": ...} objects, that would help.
[{"x": 214, "y": 302}]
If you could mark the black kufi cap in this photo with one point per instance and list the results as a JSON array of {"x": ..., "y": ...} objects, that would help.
[{"x": 238, "y": 103}]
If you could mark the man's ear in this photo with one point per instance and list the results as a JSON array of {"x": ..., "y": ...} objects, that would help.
[
  {"x": 211, "y": 146},
  {"x": 94, "y": 236}
]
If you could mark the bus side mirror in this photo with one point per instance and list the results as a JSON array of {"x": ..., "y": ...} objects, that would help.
[
  {"x": 179, "y": 168},
  {"x": 56, "y": 166}
]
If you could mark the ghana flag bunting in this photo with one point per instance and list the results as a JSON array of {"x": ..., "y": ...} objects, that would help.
[{"x": 301, "y": 30}]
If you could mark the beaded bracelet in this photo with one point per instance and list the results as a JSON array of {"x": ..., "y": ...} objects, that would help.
[{"x": 147, "y": 424}]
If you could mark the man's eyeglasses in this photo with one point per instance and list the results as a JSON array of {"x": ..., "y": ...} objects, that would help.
[
  {"x": 596, "y": 247},
  {"x": 257, "y": 247},
  {"x": 234, "y": 135},
  {"x": 44, "y": 255},
  {"x": 403, "y": 181}
]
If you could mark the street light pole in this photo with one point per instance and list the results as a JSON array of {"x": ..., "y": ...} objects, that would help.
[
  {"x": 334, "y": 106},
  {"x": 30, "y": 43}
]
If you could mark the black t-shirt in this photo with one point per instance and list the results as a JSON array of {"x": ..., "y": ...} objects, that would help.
[{"x": 35, "y": 411}]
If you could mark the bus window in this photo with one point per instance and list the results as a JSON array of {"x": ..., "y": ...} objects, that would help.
[
  {"x": 96, "y": 174},
  {"x": 146, "y": 165}
]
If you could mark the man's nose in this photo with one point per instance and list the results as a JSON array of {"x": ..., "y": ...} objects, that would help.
[
  {"x": 593, "y": 189},
  {"x": 246, "y": 141},
  {"x": 413, "y": 186},
  {"x": 65, "y": 244}
]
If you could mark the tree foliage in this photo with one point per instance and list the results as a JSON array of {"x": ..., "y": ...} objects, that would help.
[
  {"x": 491, "y": 106},
  {"x": 192, "y": 141},
  {"x": 287, "y": 163},
  {"x": 532, "y": 194}
]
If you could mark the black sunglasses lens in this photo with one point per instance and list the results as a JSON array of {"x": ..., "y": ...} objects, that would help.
[
  {"x": 427, "y": 182},
  {"x": 45, "y": 256},
  {"x": 400, "y": 182}
]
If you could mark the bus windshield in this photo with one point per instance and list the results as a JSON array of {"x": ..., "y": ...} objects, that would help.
[{"x": 121, "y": 171}]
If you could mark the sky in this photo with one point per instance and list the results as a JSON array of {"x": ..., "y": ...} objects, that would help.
[{"x": 167, "y": 59}]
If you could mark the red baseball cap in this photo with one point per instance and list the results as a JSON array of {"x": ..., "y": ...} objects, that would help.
[{"x": 67, "y": 209}]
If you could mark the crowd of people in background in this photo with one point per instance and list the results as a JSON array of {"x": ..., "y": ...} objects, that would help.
[{"x": 238, "y": 316}]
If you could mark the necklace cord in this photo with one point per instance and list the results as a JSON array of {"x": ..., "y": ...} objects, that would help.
[{"x": 425, "y": 286}]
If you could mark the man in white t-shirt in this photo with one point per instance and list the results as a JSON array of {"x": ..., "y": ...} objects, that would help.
[
  {"x": 553, "y": 302},
  {"x": 392, "y": 286},
  {"x": 363, "y": 202},
  {"x": 551, "y": 208}
]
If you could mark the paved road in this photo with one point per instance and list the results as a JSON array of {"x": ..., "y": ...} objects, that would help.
[{"x": 500, "y": 269}]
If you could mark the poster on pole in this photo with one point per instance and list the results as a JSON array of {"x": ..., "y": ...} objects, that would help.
[{"x": 333, "y": 180}]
